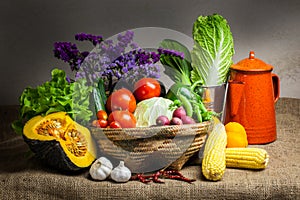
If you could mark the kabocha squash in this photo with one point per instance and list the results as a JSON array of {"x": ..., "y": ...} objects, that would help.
[{"x": 60, "y": 142}]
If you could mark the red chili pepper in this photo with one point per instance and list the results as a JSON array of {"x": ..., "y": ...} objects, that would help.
[
  {"x": 173, "y": 174},
  {"x": 156, "y": 176},
  {"x": 170, "y": 174}
]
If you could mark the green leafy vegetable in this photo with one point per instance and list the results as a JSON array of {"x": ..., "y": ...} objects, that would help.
[
  {"x": 53, "y": 96},
  {"x": 213, "y": 50},
  {"x": 80, "y": 110},
  {"x": 148, "y": 110},
  {"x": 190, "y": 100},
  {"x": 180, "y": 69}
]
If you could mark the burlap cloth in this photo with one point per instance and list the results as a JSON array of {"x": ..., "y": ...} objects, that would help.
[{"x": 24, "y": 177}]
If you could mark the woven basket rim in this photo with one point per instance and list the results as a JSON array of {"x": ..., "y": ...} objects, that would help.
[
  {"x": 156, "y": 127},
  {"x": 141, "y": 132}
]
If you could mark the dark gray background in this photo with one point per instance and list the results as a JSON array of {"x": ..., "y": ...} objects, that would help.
[{"x": 30, "y": 27}]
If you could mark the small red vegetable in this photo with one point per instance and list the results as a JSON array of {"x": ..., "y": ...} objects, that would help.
[
  {"x": 121, "y": 99},
  {"x": 187, "y": 120},
  {"x": 101, "y": 114},
  {"x": 125, "y": 118},
  {"x": 115, "y": 124},
  {"x": 162, "y": 120},
  {"x": 179, "y": 112},
  {"x": 170, "y": 174},
  {"x": 176, "y": 121},
  {"x": 103, "y": 123},
  {"x": 146, "y": 88},
  {"x": 100, "y": 123}
]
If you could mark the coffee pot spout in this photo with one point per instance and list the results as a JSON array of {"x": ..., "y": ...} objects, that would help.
[{"x": 236, "y": 92}]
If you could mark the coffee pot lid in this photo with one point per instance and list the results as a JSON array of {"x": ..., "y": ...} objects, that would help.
[{"x": 251, "y": 64}]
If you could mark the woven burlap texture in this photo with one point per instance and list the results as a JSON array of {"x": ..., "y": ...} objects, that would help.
[{"x": 23, "y": 177}]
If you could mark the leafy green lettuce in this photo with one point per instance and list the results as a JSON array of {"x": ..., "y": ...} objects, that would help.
[
  {"x": 54, "y": 96},
  {"x": 213, "y": 50}
]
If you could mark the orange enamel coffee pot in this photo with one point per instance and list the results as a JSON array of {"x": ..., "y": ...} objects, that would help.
[{"x": 252, "y": 93}]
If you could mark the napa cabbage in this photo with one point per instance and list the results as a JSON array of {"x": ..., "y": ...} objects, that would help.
[{"x": 212, "y": 51}]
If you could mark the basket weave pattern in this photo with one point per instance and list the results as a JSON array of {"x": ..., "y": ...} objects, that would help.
[{"x": 147, "y": 149}]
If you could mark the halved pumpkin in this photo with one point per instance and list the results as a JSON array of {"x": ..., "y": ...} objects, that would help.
[{"x": 59, "y": 141}]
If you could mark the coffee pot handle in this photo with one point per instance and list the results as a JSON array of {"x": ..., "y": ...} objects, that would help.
[{"x": 276, "y": 86}]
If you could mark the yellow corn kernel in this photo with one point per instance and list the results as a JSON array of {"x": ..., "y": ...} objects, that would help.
[
  {"x": 213, "y": 163},
  {"x": 250, "y": 158}
]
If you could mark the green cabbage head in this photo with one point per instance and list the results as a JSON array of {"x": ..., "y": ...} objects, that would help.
[{"x": 148, "y": 110}]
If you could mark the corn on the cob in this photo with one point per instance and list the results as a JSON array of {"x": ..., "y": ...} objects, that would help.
[
  {"x": 213, "y": 163},
  {"x": 250, "y": 158}
]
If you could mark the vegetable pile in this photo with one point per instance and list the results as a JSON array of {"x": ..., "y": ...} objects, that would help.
[
  {"x": 123, "y": 86},
  {"x": 143, "y": 100},
  {"x": 112, "y": 88},
  {"x": 147, "y": 106}
]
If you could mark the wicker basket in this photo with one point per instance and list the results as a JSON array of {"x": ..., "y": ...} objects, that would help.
[{"x": 152, "y": 148}]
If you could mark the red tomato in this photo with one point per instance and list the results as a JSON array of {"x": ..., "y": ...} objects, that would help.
[
  {"x": 115, "y": 124},
  {"x": 125, "y": 118},
  {"x": 101, "y": 114},
  {"x": 103, "y": 123},
  {"x": 121, "y": 99},
  {"x": 100, "y": 123},
  {"x": 146, "y": 88}
]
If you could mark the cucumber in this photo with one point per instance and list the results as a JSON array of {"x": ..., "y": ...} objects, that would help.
[
  {"x": 99, "y": 96},
  {"x": 102, "y": 91}
]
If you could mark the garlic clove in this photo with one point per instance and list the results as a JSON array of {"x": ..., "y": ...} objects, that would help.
[
  {"x": 101, "y": 169},
  {"x": 121, "y": 173}
]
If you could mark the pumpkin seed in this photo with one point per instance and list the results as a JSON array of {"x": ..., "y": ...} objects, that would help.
[{"x": 76, "y": 143}]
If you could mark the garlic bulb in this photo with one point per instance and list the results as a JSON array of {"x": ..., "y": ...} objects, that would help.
[
  {"x": 121, "y": 173},
  {"x": 101, "y": 169}
]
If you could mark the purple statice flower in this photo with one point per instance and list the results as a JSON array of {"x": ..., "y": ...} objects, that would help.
[
  {"x": 151, "y": 70},
  {"x": 69, "y": 53},
  {"x": 134, "y": 65},
  {"x": 170, "y": 52},
  {"x": 69, "y": 80},
  {"x": 89, "y": 69},
  {"x": 155, "y": 57},
  {"x": 144, "y": 57},
  {"x": 108, "y": 61},
  {"x": 95, "y": 39},
  {"x": 134, "y": 45},
  {"x": 113, "y": 51}
]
